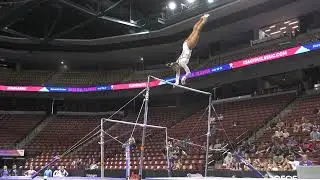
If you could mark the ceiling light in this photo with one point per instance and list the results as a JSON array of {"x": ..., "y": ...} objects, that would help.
[
  {"x": 286, "y": 22},
  {"x": 62, "y": 62},
  {"x": 272, "y": 26},
  {"x": 295, "y": 27},
  {"x": 210, "y": 1},
  {"x": 172, "y": 5},
  {"x": 295, "y": 22},
  {"x": 267, "y": 30},
  {"x": 275, "y": 32},
  {"x": 190, "y": 1}
]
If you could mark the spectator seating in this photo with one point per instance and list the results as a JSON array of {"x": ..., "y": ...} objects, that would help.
[
  {"x": 36, "y": 78},
  {"x": 305, "y": 107},
  {"x": 90, "y": 78},
  {"x": 64, "y": 130},
  {"x": 142, "y": 76},
  {"x": 58, "y": 136},
  {"x": 23, "y": 104},
  {"x": 14, "y": 127}
]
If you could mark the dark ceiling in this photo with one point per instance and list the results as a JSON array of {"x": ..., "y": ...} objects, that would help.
[
  {"x": 42, "y": 18},
  {"x": 85, "y": 19},
  {"x": 40, "y": 30}
]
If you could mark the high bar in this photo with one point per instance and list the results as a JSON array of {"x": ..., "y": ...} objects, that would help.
[
  {"x": 131, "y": 123},
  {"x": 183, "y": 87}
]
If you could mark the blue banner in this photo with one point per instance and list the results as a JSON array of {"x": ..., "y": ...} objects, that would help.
[
  {"x": 221, "y": 68},
  {"x": 57, "y": 89},
  {"x": 103, "y": 88},
  {"x": 313, "y": 46}
]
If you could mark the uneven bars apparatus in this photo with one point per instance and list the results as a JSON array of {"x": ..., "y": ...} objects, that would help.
[
  {"x": 186, "y": 88},
  {"x": 143, "y": 126}
]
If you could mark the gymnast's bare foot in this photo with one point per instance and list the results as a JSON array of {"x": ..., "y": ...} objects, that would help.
[{"x": 205, "y": 17}]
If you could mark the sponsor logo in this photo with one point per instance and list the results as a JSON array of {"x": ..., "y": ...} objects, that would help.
[
  {"x": 265, "y": 57},
  {"x": 137, "y": 85},
  {"x": 200, "y": 73},
  {"x": 16, "y": 88},
  {"x": 82, "y": 89},
  {"x": 100, "y": 88},
  {"x": 284, "y": 177},
  {"x": 58, "y": 89},
  {"x": 217, "y": 69},
  {"x": 91, "y": 175},
  {"x": 316, "y": 45}
]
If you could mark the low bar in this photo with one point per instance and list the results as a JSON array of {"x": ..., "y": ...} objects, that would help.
[
  {"x": 131, "y": 123},
  {"x": 193, "y": 144},
  {"x": 183, "y": 87},
  {"x": 114, "y": 138}
]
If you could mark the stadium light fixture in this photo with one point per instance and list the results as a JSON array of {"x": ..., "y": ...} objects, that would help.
[
  {"x": 210, "y": 1},
  {"x": 190, "y": 1},
  {"x": 275, "y": 32},
  {"x": 295, "y": 22},
  {"x": 172, "y": 5}
]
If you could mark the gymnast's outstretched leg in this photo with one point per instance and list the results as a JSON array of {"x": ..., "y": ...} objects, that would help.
[
  {"x": 189, "y": 44},
  {"x": 177, "y": 75},
  {"x": 187, "y": 70},
  {"x": 193, "y": 38}
]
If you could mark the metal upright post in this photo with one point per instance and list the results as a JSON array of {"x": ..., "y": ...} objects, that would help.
[
  {"x": 102, "y": 149},
  {"x": 208, "y": 136},
  {"x": 52, "y": 107},
  {"x": 146, "y": 102},
  {"x": 128, "y": 160},
  {"x": 167, "y": 154}
]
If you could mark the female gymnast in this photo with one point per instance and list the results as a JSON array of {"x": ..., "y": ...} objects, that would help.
[{"x": 189, "y": 44}]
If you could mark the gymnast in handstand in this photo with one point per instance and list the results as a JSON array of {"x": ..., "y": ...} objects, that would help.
[{"x": 188, "y": 45}]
